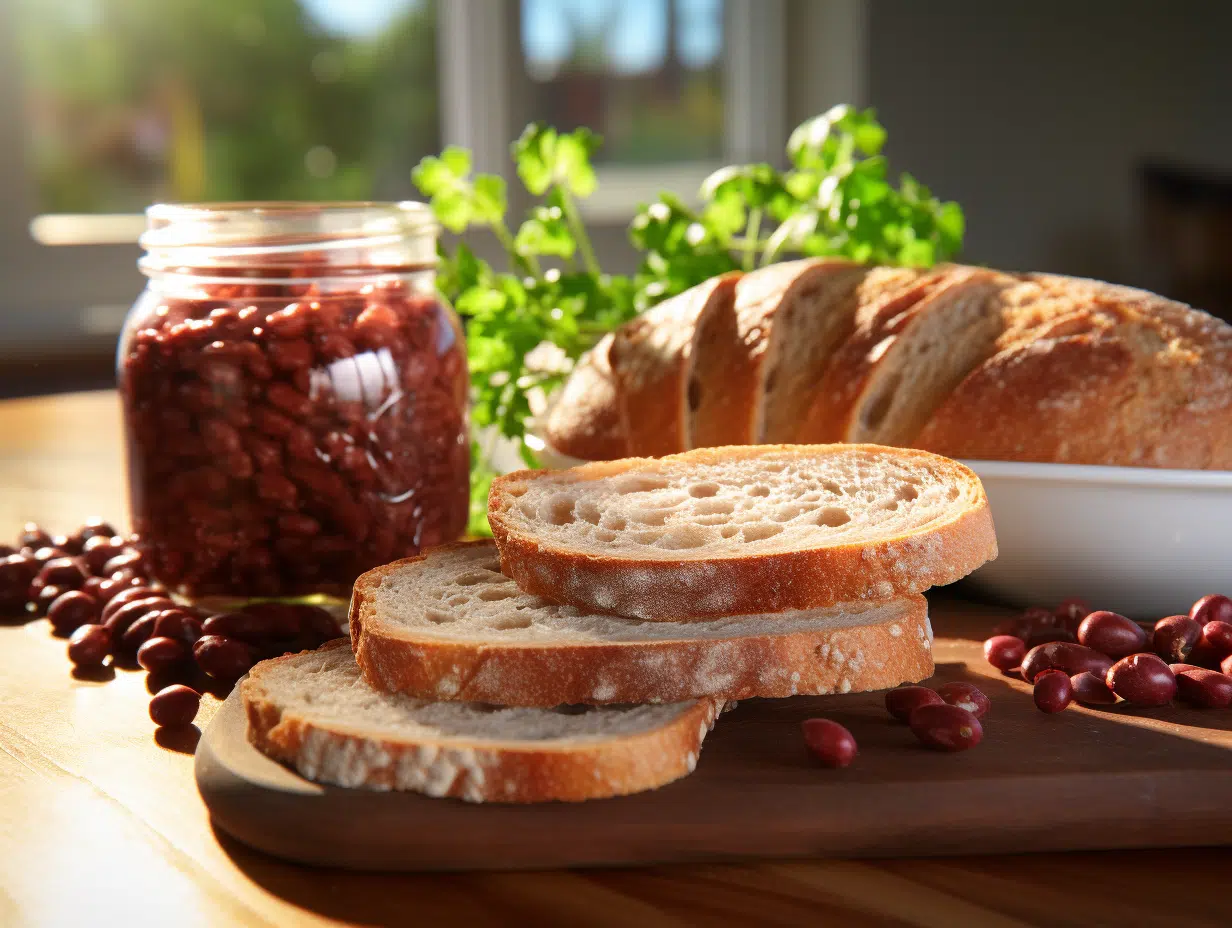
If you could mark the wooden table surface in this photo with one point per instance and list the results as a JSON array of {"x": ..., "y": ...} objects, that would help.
[{"x": 101, "y": 824}]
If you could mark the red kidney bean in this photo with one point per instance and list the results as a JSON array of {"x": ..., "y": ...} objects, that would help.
[
  {"x": 244, "y": 626},
  {"x": 1217, "y": 635},
  {"x": 290, "y": 322},
  {"x": 946, "y": 727},
  {"x": 64, "y": 572},
  {"x": 1072, "y": 611},
  {"x": 93, "y": 528},
  {"x": 966, "y": 696},
  {"x": 45, "y": 595},
  {"x": 89, "y": 646},
  {"x": 100, "y": 549},
  {"x": 290, "y": 355},
  {"x": 275, "y": 488},
  {"x": 32, "y": 536},
  {"x": 830, "y": 742},
  {"x": 1175, "y": 637},
  {"x": 73, "y": 609},
  {"x": 1030, "y": 621},
  {"x": 129, "y": 560},
  {"x": 1045, "y": 635},
  {"x": 92, "y": 588},
  {"x": 41, "y": 556},
  {"x": 1062, "y": 655},
  {"x": 161, "y": 654},
  {"x": 1091, "y": 689},
  {"x": 16, "y": 573},
  {"x": 127, "y": 595},
  {"x": 223, "y": 658},
  {"x": 1053, "y": 691},
  {"x": 120, "y": 620},
  {"x": 175, "y": 706},
  {"x": 177, "y": 623},
  {"x": 904, "y": 700},
  {"x": 1143, "y": 680},
  {"x": 1206, "y": 689},
  {"x": 1005, "y": 652},
  {"x": 1111, "y": 634},
  {"x": 137, "y": 634},
  {"x": 1212, "y": 608}
]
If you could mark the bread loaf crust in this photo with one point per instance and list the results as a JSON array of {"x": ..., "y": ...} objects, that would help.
[
  {"x": 741, "y": 363},
  {"x": 850, "y": 658},
  {"x": 1104, "y": 375},
  {"x": 585, "y": 420},
  {"x": 482, "y": 771},
  {"x": 677, "y": 590},
  {"x": 652, "y": 357}
]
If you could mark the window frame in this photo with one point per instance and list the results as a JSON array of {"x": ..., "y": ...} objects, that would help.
[{"x": 783, "y": 61}]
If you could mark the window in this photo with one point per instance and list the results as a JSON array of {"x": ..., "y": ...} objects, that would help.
[
  {"x": 645, "y": 74},
  {"x": 109, "y": 105}
]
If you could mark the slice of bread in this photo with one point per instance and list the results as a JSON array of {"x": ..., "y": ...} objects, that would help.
[
  {"x": 652, "y": 358},
  {"x": 313, "y": 712},
  {"x": 584, "y": 421},
  {"x": 742, "y": 530},
  {"x": 779, "y": 335},
  {"x": 906, "y": 354},
  {"x": 450, "y": 625}
]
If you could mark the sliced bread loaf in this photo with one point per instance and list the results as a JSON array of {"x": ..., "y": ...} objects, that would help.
[
  {"x": 907, "y": 352},
  {"x": 746, "y": 374},
  {"x": 313, "y": 712},
  {"x": 584, "y": 422},
  {"x": 742, "y": 530},
  {"x": 652, "y": 358},
  {"x": 1091, "y": 373},
  {"x": 450, "y": 625}
]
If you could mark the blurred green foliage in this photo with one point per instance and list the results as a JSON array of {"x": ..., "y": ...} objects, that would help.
[{"x": 134, "y": 101}]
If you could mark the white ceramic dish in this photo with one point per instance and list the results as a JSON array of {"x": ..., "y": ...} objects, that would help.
[{"x": 1137, "y": 540}]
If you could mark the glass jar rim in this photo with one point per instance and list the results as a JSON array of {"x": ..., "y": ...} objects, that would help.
[
  {"x": 263, "y": 225},
  {"x": 287, "y": 239}
]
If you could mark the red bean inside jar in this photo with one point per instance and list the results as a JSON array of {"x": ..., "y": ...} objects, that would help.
[{"x": 295, "y": 397}]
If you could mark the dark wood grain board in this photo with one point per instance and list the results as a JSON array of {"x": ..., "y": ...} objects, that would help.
[{"x": 1083, "y": 779}]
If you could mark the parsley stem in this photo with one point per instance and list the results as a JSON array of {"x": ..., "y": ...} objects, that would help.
[
  {"x": 751, "y": 232},
  {"x": 527, "y": 264},
  {"x": 579, "y": 232}
]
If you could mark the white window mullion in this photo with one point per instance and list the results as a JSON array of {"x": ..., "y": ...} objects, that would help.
[
  {"x": 476, "y": 70},
  {"x": 755, "y": 80}
]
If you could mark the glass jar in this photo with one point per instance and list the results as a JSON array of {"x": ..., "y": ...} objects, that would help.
[{"x": 294, "y": 395}]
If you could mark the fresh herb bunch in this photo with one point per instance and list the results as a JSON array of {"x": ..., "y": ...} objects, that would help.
[{"x": 526, "y": 325}]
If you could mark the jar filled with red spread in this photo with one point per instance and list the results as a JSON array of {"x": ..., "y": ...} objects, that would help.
[{"x": 294, "y": 396}]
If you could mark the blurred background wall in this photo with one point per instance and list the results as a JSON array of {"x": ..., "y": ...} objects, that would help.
[{"x": 1087, "y": 138}]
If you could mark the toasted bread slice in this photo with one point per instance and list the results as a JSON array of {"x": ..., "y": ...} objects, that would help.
[
  {"x": 313, "y": 712},
  {"x": 742, "y": 530},
  {"x": 450, "y": 625}
]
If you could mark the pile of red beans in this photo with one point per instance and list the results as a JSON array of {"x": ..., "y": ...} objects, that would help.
[
  {"x": 1068, "y": 654},
  {"x": 92, "y": 586},
  {"x": 1098, "y": 658}
]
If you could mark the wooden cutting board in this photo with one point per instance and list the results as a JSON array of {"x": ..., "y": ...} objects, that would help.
[{"x": 1084, "y": 779}]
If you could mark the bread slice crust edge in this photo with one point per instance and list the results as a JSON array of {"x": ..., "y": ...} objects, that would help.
[
  {"x": 850, "y": 658},
  {"x": 673, "y": 590},
  {"x": 476, "y": 770}
]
